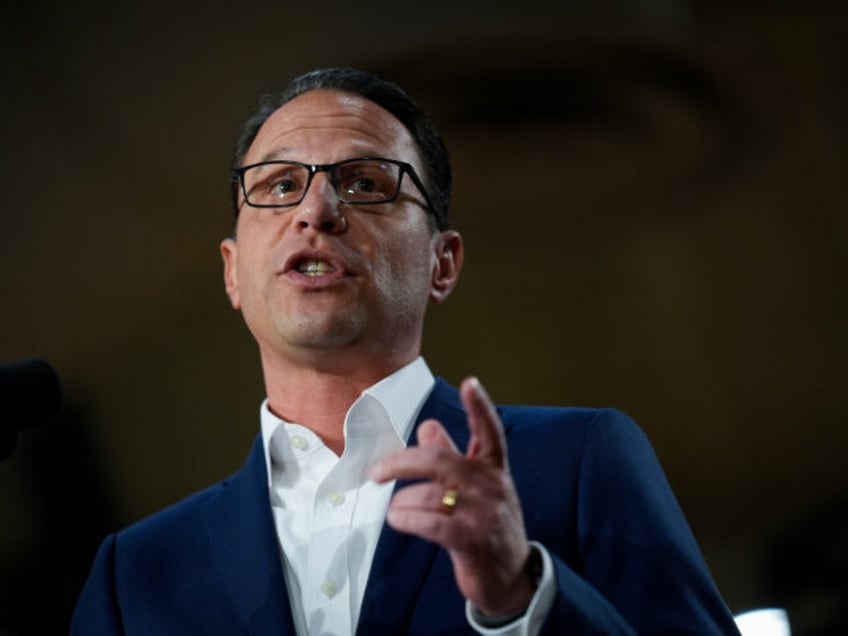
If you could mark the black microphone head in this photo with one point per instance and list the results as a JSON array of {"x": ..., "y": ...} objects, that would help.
[{"x": 30, "y": 394}]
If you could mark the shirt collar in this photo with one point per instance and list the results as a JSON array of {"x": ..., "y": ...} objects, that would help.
[{"x": 400, "y": 394}]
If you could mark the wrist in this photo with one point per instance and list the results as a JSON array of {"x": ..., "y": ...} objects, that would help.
[{"x": 526, "y": 585}]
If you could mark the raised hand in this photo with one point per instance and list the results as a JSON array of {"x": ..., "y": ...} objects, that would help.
[{"x": 467, "y": 504}]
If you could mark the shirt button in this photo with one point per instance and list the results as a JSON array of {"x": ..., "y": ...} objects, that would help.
[
  {"x": 328, "y": 589},
  {"x": 336, "y": 498},
  {"x": 299, "y": 442}
]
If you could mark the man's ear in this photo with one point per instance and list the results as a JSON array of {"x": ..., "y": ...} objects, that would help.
[
  {"x": 229, "y": 249},
  {"x": 448, "y": 252}
]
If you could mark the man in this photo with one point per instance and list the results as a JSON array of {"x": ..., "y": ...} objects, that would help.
[{"x": 378, "y": 500}]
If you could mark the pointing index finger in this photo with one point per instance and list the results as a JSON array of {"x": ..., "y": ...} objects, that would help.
[{"x": 487, "y": 436}]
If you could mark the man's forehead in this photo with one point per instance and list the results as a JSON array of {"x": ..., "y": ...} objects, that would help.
[
  {"x": 330, "y": 108},
  {"x": 323, "y": 115}
]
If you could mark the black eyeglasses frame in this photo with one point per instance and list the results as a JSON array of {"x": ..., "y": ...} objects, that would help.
[{"x": 405, "y": 168}]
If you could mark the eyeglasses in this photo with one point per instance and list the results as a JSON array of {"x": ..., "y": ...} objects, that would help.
[{"x": 360, "y": 181}]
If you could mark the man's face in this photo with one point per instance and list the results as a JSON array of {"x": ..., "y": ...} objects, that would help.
[{"x": 327, "y": 276}]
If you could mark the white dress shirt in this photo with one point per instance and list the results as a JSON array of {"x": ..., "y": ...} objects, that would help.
[{"x": 329, "y": 513}]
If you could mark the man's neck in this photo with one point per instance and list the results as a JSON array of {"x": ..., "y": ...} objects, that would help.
[{"x": 319, "y": 397}]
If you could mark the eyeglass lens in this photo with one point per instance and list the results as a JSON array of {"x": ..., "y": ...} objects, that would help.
[{"x": 358, "y": 181}]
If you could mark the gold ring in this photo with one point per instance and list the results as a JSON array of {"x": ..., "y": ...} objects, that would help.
[{"x": 449, "y": 501}]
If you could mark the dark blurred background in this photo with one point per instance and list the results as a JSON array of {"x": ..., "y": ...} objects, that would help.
[{"x": 653, "y": 195}]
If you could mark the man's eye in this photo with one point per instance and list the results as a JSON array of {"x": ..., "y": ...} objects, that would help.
[
  {"x": 283, "y": 187},
  {"x": 362, "y": 185}
]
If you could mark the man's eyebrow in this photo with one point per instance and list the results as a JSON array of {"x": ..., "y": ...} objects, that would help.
[
  {"x": 282, "y": 154},
  {"x": 274, "y": 155}
]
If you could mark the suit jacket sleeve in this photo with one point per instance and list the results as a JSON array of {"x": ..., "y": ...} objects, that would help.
[
  {"x": 625, "y": 560},
  {"x": 97, "y": 610}
]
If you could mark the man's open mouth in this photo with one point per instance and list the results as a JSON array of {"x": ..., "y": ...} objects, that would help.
[{"x": 310, "y": 267}]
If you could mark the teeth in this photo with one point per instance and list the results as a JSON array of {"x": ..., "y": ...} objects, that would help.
[{"x": 315, "y": 268}]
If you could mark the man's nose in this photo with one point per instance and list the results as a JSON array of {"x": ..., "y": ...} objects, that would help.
[{"x": 320, "y": 208}]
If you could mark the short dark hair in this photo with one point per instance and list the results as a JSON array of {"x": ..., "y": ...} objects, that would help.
[{"x": 437, "y": 171}]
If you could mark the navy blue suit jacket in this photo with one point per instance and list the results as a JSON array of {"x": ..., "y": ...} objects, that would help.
[{"x": 592, "y": 492}]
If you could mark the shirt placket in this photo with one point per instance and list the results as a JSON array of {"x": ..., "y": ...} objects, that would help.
[{"x": 329, "y": 588}]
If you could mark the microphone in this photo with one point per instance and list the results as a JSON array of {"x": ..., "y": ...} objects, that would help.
[{"x": 30, "y": 396}]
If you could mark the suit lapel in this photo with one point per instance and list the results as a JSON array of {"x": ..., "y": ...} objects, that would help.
[
  {"x": 240, "y": 526},
  {"x": 401, "y": 561},
  {"x": 244, "y": 542}
]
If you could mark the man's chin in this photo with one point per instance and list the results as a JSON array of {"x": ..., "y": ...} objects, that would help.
[{"x": 324, "y": 333}]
